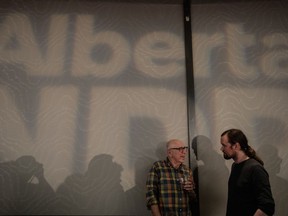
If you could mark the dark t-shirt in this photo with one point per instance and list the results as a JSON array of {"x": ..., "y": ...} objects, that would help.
[{"x": 249, "y": 190}]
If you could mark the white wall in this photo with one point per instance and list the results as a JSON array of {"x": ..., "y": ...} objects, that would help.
[
  {"x": 93, "y": 84},
  {"x": 93, "y": 90}
]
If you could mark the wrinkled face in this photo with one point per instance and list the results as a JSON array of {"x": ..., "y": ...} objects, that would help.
[
  {"x": 227, "y": 149},
  {"x": 177, "y": 152}
]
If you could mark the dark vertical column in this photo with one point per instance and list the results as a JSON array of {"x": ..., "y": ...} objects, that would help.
[
  {"x": 189, "y": 69},
  {"x": 190, "y": 89}
]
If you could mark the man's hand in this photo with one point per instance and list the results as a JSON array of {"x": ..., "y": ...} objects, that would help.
[
  {"x": 189, "y": 185},
  {"x": 259, "y": 212},
  {"x": 155, "y": 210}
]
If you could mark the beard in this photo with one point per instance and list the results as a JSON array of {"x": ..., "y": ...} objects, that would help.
[{"x": 227, "y": 157}]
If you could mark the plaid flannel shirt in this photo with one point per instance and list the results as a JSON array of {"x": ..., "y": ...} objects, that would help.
[{"x": 164, "y": 189}]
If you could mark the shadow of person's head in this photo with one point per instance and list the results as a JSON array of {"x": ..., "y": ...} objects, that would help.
[
  {"x": 102, "y": 168},
  {"x": 203, "y": 148}
]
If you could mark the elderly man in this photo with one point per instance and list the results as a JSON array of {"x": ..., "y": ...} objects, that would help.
[{"x": 170, "y": 185}]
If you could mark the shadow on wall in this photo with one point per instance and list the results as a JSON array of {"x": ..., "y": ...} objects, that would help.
[
  {"x": 24, "y": 189},
  {"x": 271, "y": 135},
  {"x": 135, "y": 196},
  {"x": 98, "y": 191},
  {"x": 147, "y": 145},
  {"x": 279, "y": 185},
  {"x": 213, "y": 177}
]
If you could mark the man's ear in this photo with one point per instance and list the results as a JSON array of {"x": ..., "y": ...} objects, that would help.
[
  {"x": 237, "y": 146},
  {"x": 168, "y": 151}
]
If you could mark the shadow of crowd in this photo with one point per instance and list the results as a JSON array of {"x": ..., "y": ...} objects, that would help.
[{"x": 25, "y": 191}]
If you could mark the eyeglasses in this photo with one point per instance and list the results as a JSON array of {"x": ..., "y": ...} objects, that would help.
[{"x": 180, "y": 149}]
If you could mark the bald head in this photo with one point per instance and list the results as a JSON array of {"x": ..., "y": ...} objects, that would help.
[{"x": 174, "y": 143}]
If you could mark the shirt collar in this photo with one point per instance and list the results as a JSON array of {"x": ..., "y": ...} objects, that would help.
[{"x": 170, "y": 164}]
